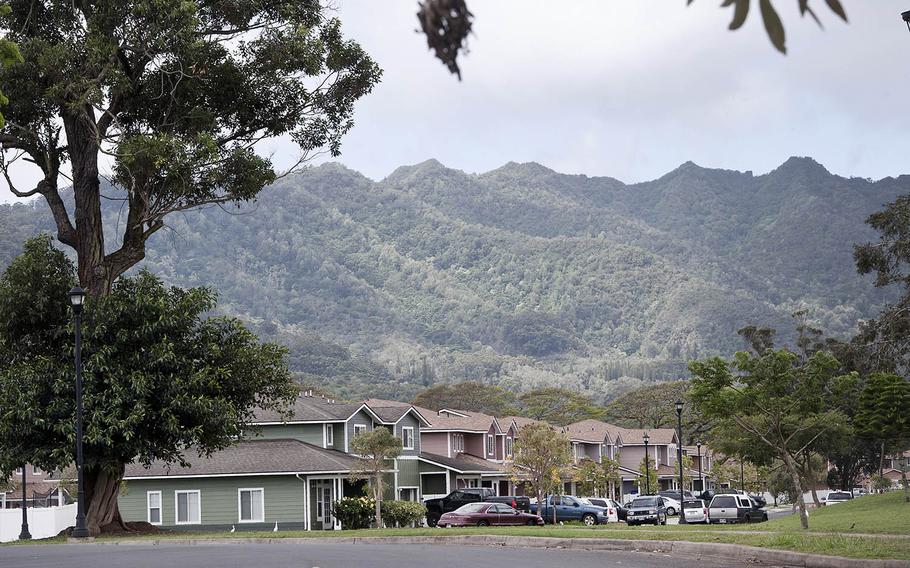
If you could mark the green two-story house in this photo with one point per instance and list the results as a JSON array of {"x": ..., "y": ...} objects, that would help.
[{"x": 285, "y": 474}]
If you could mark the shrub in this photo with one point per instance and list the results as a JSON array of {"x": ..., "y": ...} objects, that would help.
[
  {"x": 354, "y": 512},
  {"x": 401, "y": 513}
]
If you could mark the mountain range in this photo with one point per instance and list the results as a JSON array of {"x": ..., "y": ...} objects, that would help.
[{"x": 520, "y": 276}]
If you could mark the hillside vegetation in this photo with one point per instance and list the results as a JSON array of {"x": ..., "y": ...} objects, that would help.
[{"x": 521, "y": 276}]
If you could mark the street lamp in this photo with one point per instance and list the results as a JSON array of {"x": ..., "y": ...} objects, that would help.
[
  {"x": 24, "y": 535},
  {"x": 77, "y": 299},
  {"x": 906, "y": 17},
  {"x": 701, "y": 481},
  {"x": 647, "y": 473},
  {"x": 679, "y": 455}
]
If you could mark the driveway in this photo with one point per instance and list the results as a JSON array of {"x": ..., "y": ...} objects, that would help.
[{"x": 330, "y": 556}]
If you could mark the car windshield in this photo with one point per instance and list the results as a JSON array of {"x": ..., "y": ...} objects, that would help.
[
  {"x": 645, "y": 502},
  {"x": 472, "y": 508}
]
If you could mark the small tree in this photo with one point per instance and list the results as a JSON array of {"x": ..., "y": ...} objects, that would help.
[
  {"x": 597, "y": 478},
  {"x": 375, "y": 449},
  {"x": 648, "y": 479},
  {"x": 541, "y": 454}
]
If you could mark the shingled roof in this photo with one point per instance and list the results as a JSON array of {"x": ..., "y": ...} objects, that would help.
[
  {"x": 443, "y": 420},
  {"x": 658, "y": 436},
  {"x": 252, "y": 457},
  {"x": 462, "y": 463},
  {"x": 519, "y": 421},
  {"x": 310, "y": 409},
  {"x": 592, "y": 431}
]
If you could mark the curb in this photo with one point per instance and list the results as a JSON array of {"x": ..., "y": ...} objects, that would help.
[{"x": 739, "y": 552}]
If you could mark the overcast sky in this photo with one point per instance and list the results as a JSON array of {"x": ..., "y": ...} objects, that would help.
[{"x": 633, "y": 88}]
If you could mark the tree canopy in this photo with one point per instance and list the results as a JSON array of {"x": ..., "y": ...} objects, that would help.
[
  {"x": 770, "y": 405},
  {"x": 177, "y": 94},
  {"x": 376, "y": 448},
  {"x": 160, "y": 377}
]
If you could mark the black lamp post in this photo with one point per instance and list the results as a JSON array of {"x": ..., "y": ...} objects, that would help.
[
  {"x": 77, "y": 299},
  {"x": 24, "y": 535},
  {"x": 646, "y": 437},
  {"x": 679, "y": 456},
  {"x": 906, "y": 17},
  {"x": 701, "y": 480}
]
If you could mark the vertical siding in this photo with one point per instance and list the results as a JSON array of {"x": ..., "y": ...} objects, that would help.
[
  {"x": 360, "y": 418},
  {"x": 283, "y": 496},
  {"x": 631, "y": 456},
  {"x": 409, "y": 421},
  {"x": 408, "y": 473},
  {"x": 474, "y": 445}
]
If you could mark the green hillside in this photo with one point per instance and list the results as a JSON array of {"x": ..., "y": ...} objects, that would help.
[{"x": 520, "y": 276}]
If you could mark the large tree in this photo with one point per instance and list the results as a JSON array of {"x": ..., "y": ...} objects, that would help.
[
  {"x": 160, "y": 377},
  {"x": 652, "y": 406},
  {"x": 175, "y": 95},
  {"x": 775, "y": 401},
  {"x": 558, "y": 406}
]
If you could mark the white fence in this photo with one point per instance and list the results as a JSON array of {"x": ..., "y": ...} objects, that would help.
[{"x": 43, "y": 522}]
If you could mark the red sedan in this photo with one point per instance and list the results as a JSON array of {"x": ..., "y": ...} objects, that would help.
[{"x": 485, "y": 515}]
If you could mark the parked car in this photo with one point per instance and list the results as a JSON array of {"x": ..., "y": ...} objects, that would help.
[
  {"x": 696, "y": 511},
  {"x": 484, "y": 514},
  {"x": 674, "y": 494},
  {"x": 835, "y": 497},
  {"x": 607, "y": 503},
  {"x": 460, "y": 497},
  {"x": 570, "y": 509},
  {"x": 647, "y": 509},
  {"x": 734, "y": 508},
  {"x": 672, "y": 505}
]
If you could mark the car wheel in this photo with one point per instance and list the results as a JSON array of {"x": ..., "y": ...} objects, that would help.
[
  {"x": 531, "y": 523},
  {"x": 432, "y": 521},
  {"x": 671, "y": 511},
  {"x": 589, "y": 520},
  {"x": 483, "y": 523}
]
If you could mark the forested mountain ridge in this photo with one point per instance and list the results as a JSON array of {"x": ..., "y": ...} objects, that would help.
[{"x": 520, "y": 276}]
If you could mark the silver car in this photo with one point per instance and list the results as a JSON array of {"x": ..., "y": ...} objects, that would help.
[{"x": 696, "y": 511}]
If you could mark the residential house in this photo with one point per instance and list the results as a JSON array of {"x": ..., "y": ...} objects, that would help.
[
  {"x": 285, "y": 473},
  {"x": 42, "y": 489}
]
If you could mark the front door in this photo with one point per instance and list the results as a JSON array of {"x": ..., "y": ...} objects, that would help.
[{"x": 324, "y": 497}]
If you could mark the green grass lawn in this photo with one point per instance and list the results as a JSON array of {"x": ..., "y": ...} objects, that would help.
[{"x": 887, "y": 515}]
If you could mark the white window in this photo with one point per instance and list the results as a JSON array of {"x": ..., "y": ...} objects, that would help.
[
  {"x": 407, "y": 437},
  {"x": 329, "y": 435},
  {"x": 508, "y": 447},
  {"x": 188, "y": 511},
  {"x": 251, "y": 505},
  {"x": 153, "y": 499},
  {"x": 36, "y": 470},
  {"x": 360, "y": 429},
  {"x": 458, "y": 442},
  {"x": 489, "y": 444},
  {"x": 18, "y": 471}
]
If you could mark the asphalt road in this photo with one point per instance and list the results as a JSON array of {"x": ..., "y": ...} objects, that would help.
[{"x": 331, "y": 556}]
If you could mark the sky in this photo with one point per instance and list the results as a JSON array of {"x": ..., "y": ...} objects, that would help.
[{"x": 632, "y": 89}]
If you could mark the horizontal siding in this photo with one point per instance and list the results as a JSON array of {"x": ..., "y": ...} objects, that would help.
[
  {"x": 408, "y": 473},
  {"x": 283, "y": 496},
  {"x": 411, "y": 422}
]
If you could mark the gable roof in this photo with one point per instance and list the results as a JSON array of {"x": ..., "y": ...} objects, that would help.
[
  {"x": 592, "y": 431},
  {"x": 445, "y": 420},
  {"x": 252, "y": 457},
  {"x": 519, "y": 421},
  {"x": 392, "y": 414}
]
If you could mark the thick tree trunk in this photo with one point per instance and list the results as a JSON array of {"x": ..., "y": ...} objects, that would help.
[
  {"x": 102, "y": 488},
  {"x": 793, "y": 470}
]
